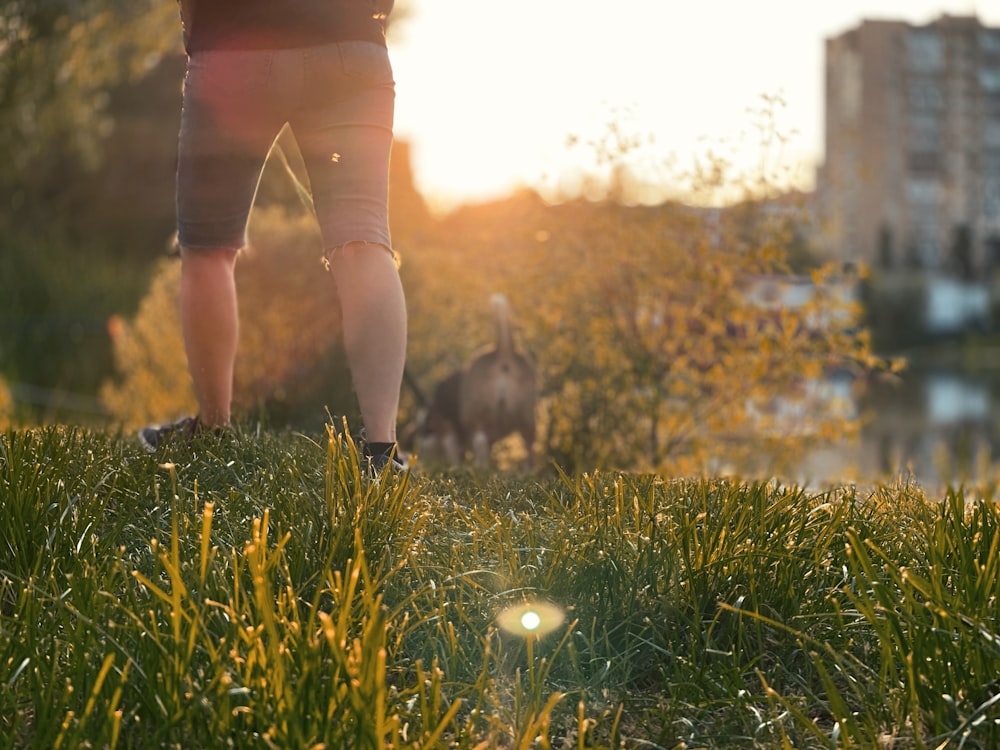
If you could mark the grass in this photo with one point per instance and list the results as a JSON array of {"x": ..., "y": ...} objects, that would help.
[{"x": 260, "y": 591}]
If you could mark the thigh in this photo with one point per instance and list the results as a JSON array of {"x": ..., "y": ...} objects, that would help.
[
  {"x": 344, "y": 130},
  {"x": 228, "y": 123}
]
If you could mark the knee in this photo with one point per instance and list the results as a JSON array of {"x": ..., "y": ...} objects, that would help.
[
  {"x": 356, "y": 255},
  {"x": 208, "y": 254}
]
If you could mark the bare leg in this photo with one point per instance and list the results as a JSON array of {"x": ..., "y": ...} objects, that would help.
[
  {"x": 374, "y": 315},
  {"x": 210, "y": 325}
]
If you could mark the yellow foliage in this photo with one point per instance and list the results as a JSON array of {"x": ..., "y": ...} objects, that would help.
[
  {"x": 674, "y": 365},
  {"x": 652, "y": 351},
  {"x": 289, "y": 322},
  {"x": 289, "y": 314},
  {"x": 149, "y": 355}
]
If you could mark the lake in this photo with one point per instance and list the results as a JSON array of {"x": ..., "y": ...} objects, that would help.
[{"x": 937, "y": 426}]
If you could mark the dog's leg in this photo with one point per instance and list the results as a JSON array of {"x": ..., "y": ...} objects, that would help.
[
  {"x": 528, "y": 436},
  {"x": 427, "y": 446},
  {"x": 481, "y": 449},
  {"x": 451, "y": 448}
]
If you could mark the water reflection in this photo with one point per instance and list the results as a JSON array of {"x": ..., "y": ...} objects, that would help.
[{"x": 938, "y": 427}]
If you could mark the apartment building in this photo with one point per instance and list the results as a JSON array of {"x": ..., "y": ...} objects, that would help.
[{"x": 912, "y": 165}]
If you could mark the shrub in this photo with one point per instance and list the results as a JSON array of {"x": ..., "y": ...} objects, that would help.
[
  {"x": 289, "y": 360},
  {"x": 149, "y": 354},
  {"x": 654, "y": 350}
]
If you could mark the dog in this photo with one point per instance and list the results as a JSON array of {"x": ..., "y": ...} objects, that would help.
[
  {"x": 437, "y": 432},
  {"x": 492, "y": 396}
]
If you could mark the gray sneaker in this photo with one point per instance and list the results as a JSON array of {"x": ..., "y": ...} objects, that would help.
[
  {"x": 185, "y": 430},
  {"x": 393, "y": 461}
]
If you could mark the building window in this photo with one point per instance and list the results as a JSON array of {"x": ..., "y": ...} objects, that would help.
[
  {"x": 925, "y": 163},
  {"x": 989, "y": 41},
  {"x": 991, "y": 133},
  {"x": 925, "y": 50},
  {"x": 927, "y": 243},
  {"x": 923, "y": 193},
  {"x": 989, "y": 79},
  {"x": 925, "y": 95},
  {"x": 991, "y": 200},
  {"x": 925, "y": 133},
  {"x": 991, "y": 106},
  {"x": 991, "y": 164}
]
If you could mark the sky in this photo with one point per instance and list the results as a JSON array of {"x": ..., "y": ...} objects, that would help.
[{"x": 490, "y": 92}]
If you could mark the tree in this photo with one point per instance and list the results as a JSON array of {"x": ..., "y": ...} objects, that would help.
[
  {"x": 658, "y": 356},
  {"x": 655, "y": 351},
  {"x": 58, "y": 60}
]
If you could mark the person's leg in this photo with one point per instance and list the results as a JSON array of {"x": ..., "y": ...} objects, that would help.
[
  {"x": 210, "y": 326},
  {"x": 374, "y": 318},
  {"x": 345, "y": 135},
  {"x": 229, "y": 118}
]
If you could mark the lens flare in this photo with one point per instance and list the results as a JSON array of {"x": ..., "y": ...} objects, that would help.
[{"x": 534, "y": 619}]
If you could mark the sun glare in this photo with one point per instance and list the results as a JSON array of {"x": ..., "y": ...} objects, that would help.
[
  {"x": 489, "y": 93},
  {"x": 531, "y": 619},
  {"x": 484, "y": 120}
]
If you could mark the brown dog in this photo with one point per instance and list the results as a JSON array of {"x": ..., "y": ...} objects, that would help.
[{"x": 492, "y": 396}]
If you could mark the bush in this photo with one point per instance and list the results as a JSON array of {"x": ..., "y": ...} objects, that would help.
[
  {"x": 654, "y": 352},
  {"x": 289, "y": 364}
]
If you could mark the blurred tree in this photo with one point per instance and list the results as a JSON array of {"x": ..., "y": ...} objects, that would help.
[
  {"x": 289, "y": 334},
  {"x": 660, "y": 352},
  {"x": 656, "y": 347},
  {"x": 58, "y": 61},
  {"x": 153, "y": 385}
]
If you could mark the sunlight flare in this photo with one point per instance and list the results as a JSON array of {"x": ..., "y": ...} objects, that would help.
[{"x": 536, "y": 619}]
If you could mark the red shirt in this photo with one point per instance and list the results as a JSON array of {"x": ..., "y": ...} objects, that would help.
[{"x": 280, "y": 24}]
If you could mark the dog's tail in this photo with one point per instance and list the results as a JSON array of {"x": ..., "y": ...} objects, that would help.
[{"x": 505, "y": 334}]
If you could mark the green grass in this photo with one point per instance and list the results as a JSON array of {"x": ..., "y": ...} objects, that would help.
[{"x": 259, "y": 591}]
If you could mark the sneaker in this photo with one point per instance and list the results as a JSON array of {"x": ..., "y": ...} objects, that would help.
[
  {"x": 381, "y": 463},
  {"x": 185, "y": 429},
  {"x": 378, "y": 463}
]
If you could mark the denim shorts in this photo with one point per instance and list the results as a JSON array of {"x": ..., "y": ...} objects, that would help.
[{"x": 338, "y": 100}]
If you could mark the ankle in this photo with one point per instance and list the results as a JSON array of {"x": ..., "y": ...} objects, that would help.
[{"x": 381, "y": 449}]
